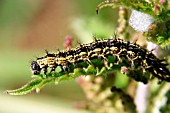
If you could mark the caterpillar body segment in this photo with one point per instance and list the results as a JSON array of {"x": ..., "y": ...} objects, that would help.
[{"x": 135, "y": 55}]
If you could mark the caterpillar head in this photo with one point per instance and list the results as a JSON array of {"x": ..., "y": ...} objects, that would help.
[{"x": 35, "y": 68}]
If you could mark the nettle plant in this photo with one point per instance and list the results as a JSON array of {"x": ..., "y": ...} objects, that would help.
[{"x": 104, "y": 63}]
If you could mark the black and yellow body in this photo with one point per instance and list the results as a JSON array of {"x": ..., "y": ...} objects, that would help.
[{"x": 137, "y": 57}]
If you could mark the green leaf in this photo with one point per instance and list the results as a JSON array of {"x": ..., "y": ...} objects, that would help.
[
  {"x": 26, "y": 88},
  {"x": 143, "y": 6}
]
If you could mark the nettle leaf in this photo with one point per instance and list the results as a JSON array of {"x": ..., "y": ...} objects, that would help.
[
  {"x": 153, "y": 19},
  {"x": 142, "y": 6},
  {"x": 41, "y": 80},
  {"x": 26, "y": 88},
  {"x": 105, "y": 56}
]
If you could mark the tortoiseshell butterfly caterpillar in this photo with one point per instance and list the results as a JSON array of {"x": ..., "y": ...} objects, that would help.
[{"x": 136, "y": 57}]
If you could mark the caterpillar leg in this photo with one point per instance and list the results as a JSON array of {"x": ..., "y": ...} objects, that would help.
[
  {"x": 105, "y": 61},
  {"x": 52, "y": 69},
  {"x": 44, "y": 70},
  {"x": 87, "y": 60},
  {"x": 119, "y": 59}
]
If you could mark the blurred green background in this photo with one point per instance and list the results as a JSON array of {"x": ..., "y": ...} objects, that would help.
[{"x": 27, "y": 27}]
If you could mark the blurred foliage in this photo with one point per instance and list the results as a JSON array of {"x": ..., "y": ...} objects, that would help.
[
  {"x": 158, "y": 31},
  {"x": 16, "y": 17},
  {"x": 97, "y": 88}
]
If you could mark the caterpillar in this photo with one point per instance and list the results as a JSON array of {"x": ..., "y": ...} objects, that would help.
[{"x": 136, "y": 56}]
